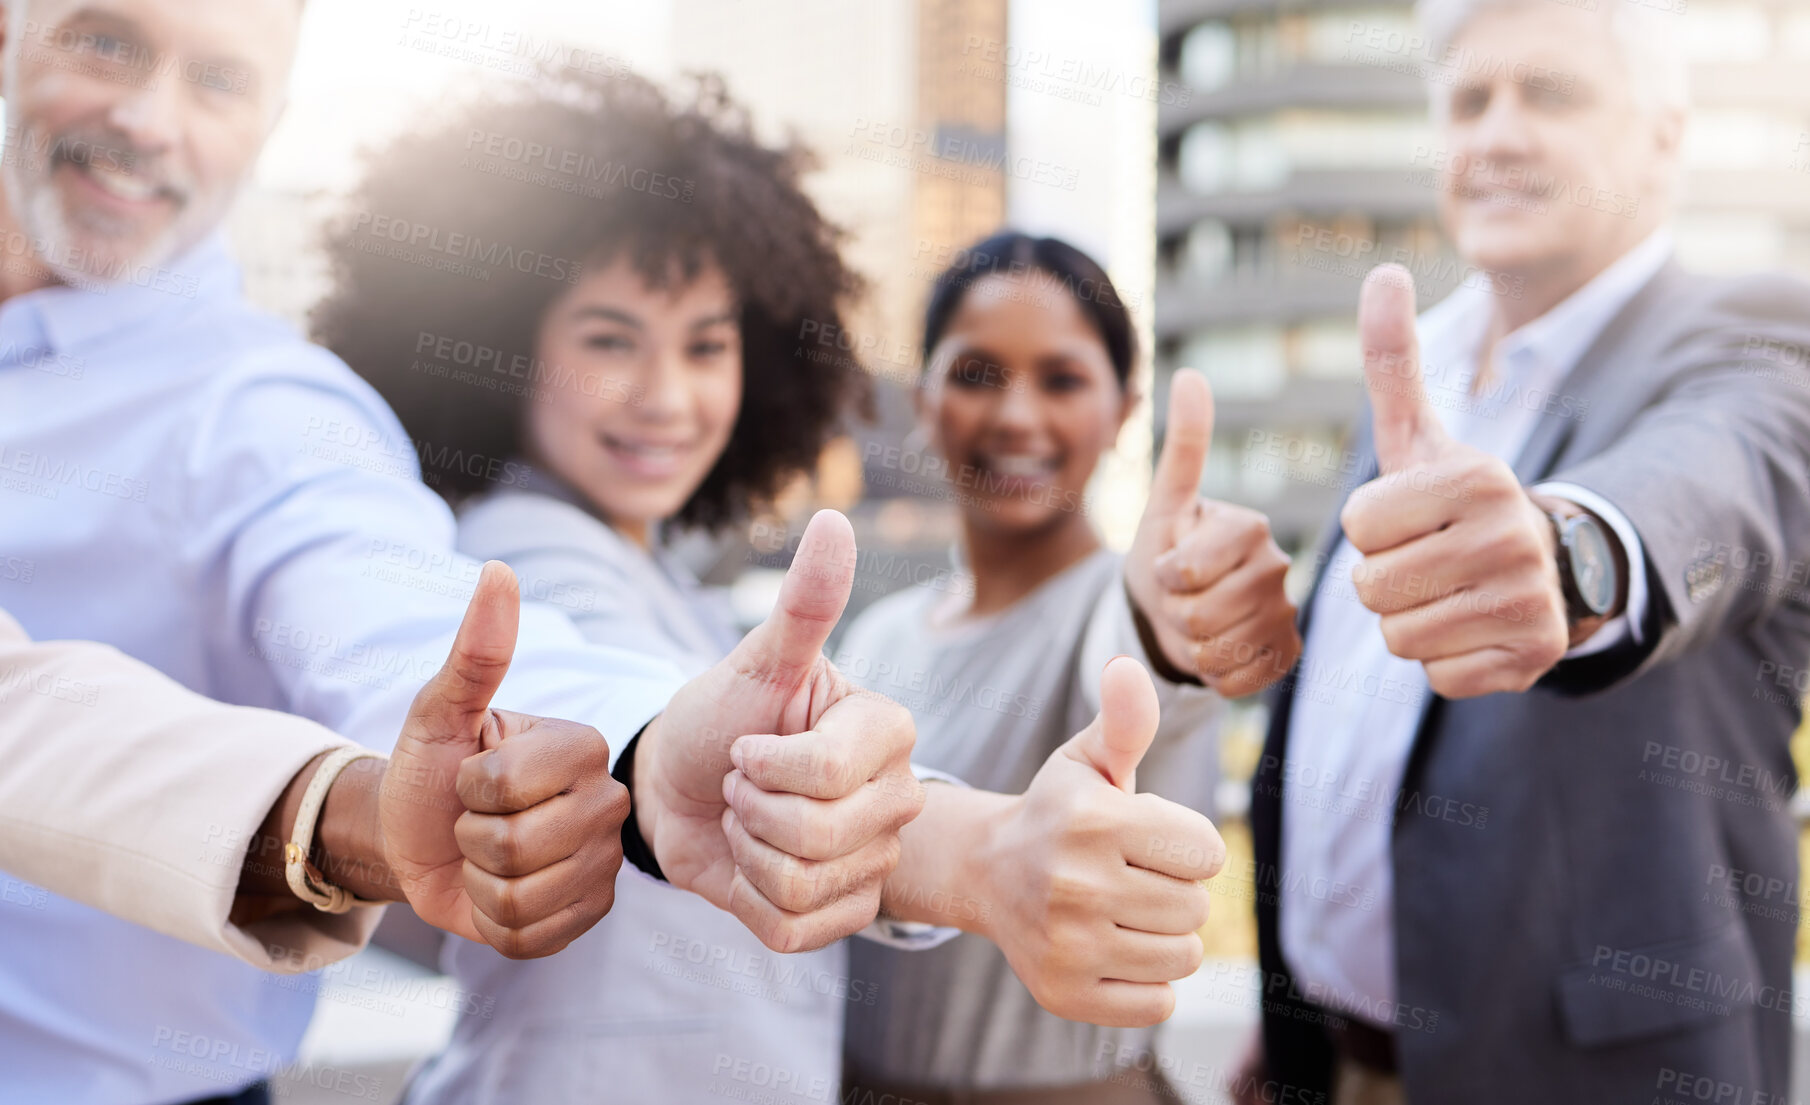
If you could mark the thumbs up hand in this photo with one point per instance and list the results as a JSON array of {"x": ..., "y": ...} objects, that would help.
[
  {"x": 496, "y": 826},
  {"x": 1458, "y": 559},
  {"x": 770, "y": 785},
  {"x": 1095, "y": 887},
  {"x": 1206, "y": 576}
]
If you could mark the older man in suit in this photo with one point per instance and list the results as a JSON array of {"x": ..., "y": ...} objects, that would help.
[{"x": 1521, "y": 820}]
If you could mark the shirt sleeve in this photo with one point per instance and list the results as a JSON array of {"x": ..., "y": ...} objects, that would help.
[
  {"x": 131, "y": 794},
  {"x": 334, "y": 572},
  {"x": 1626, "y": 625}
]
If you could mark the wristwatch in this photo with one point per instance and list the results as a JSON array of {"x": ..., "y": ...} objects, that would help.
[{"x": 1587, "y": 571}]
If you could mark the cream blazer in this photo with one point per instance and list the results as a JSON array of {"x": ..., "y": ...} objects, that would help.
[{"x": 123, "y": 790}]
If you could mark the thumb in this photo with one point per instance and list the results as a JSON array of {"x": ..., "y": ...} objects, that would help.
[
  {"x": 1121, "y": 734},
  {"x": 1406, "y": 429},
  {"x": 1185, "y": 443},
  {"x": 480, "y": 653},
  {"x": 811, "y": 600}
]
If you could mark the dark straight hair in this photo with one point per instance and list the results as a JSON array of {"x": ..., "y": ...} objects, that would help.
[{"x": 1011, "y": 253}]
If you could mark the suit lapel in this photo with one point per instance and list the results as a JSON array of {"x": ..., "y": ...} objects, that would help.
[{"x": 1603, "y": 370}]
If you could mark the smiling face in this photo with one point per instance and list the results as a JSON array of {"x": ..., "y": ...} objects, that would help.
[
  {"x": 1020, "y": 399},
  {"x": 1552, "y": 163},
  {"x": 648, "y": 386},
  {"x": 132, "y": 123}
]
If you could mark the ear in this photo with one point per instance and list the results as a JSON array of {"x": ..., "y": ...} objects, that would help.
[
  {"x": 1668, "y": 132},
  {"x": 1129, "y": 398},
  {"x": 6, "y": 21}
]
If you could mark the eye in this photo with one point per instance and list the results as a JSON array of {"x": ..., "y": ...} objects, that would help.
[
  {"x": 975, "y": 373},
  {"x": 1062, "y": 383},
  {"x": 609, "y": 343},
  {"x": 1468, "y": 103},
  {"x": 1551, "y": 99},
  {"x": 707, "y": 348}
]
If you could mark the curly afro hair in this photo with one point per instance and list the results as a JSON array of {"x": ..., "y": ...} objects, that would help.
[{"x": 464, "y": 232}]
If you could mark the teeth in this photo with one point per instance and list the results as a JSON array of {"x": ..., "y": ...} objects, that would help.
[
  {"x": 651, "y": 452},
  {"x": 1020, "y": 466},
  {"x": 123, "y": 185}
]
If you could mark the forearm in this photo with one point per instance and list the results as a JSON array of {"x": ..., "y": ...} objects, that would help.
[{"x": 942, "y": 876}]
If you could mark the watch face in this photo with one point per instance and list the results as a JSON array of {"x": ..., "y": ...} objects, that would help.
[{"x": 1592, "y": 564}]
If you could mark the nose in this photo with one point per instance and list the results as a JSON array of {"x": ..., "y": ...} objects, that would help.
[
  {"x": 1017, "y": 411},
  {"x": 151, "y": 114},
  {"x": 1503, "y": 132},
  {"x": 664, "y": 394}
]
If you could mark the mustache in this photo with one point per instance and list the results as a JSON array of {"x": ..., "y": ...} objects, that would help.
[{"x": 112, "y": 152}]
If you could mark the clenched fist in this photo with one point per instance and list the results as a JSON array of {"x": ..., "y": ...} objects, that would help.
[
  {"x": 1458, "y": 559},
  {"x": 500, "y": 827},
  {"x": 1097, "y": 887},
  {"x": 1206, "y": 575},
  {"x": 770, "y": 785}
]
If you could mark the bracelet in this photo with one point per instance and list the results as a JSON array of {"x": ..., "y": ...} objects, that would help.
[
  {"x": 634, "y": 845},
  {"x": 304, "y": 878}
]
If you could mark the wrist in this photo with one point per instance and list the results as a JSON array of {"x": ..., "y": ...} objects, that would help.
[
  {"x": 947, "y": 875},
  {"x": 642, "y": 785},
  {"x": 1152, "y": 644},
  {"x": 348, "y": 841},
  {"x": 1603, "y": 552}
]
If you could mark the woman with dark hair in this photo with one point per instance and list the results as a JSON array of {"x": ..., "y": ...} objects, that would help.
[
  {"x": 1028, "y": 378},
  {"x": 584, "y": 302},
  {"x": 582, "y": 299}
]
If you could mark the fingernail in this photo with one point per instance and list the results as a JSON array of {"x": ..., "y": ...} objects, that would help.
[
  {"x": 735, "y": 756},
  {"x": 729, "y": 784}
]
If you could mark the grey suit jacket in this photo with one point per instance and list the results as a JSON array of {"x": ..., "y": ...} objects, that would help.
[{"x": 1596, "y": 882}]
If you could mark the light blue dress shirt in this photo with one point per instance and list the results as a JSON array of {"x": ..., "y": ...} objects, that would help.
[
  {"x": 1357, "y": 706},
  {"x": 185, "y": 478}
]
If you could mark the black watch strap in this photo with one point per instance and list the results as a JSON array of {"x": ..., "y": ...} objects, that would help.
[{"x": 634, "y": 846}]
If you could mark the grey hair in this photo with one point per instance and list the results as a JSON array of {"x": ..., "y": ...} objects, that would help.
[{"x": 1646, "y": 37}]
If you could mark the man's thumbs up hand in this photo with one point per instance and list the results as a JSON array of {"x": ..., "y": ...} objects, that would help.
[
  {"x": 1205, "y": 577},
  {"x": 770, "y": 785},
  {"x": 496, "y": 826},
  {"x": 1458, "y": 559},
  {"x": 1097, "y": 887}
]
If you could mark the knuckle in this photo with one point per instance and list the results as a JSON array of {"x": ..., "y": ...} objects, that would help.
[
  {"x": 820, "y": 835},
  {"x": 616, "y": 807},
  {"x": 507, "y": 847},
  {"x": 1193, "y": 953},
  {"x": 507, "y": 909},
  {"x": 1199, "y": 909}
]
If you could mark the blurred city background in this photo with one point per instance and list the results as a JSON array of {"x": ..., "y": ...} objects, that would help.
[{"x": 1236, "y": 164}]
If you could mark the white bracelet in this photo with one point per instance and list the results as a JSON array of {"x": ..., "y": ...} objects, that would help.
[{"x": 304, "y": 879}]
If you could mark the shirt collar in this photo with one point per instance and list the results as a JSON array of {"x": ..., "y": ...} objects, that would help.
[
  {"x": 68, "y": 318},
  {"x": 1559, "y": 337},
  {"x": 1452, "y": 331}
]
